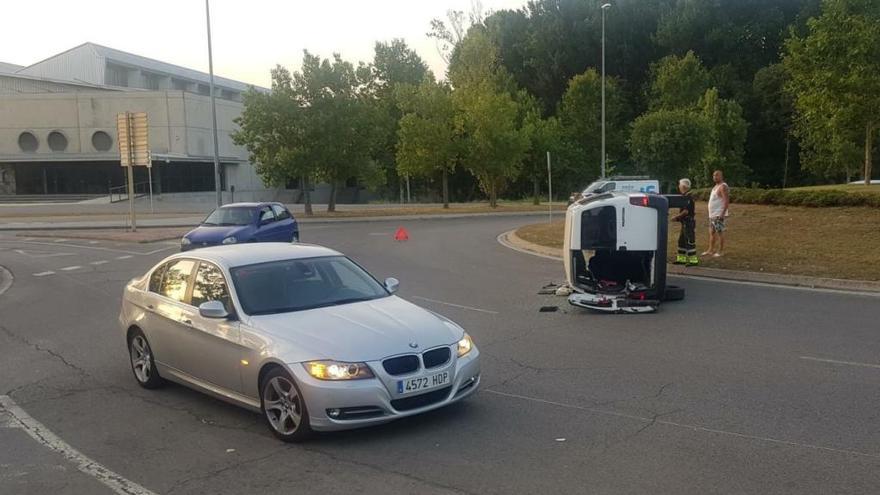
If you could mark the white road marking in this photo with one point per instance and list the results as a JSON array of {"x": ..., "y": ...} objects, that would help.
[
  {"x": 40, "y": 254},
  {"x": 43, "y": 274},
  {"x": 83, "y": 463},
  {"x": 99, "y": 248},
  {"x": 6, "y": 279},
  {"x": 379, "y": 233},
  {"x": 127, "y": 256},
  {"x": 60, "y": 240},
  {"x": 834, "y": 361},
  {"x": 686, "y": 426},
  {"x": 471, "y": 308},
  {"x": 502, "y": 239},
  {"x": 70, "y": 268},
  {"x": 101, "y": 262},
  {"x": 94, "y": 242}
]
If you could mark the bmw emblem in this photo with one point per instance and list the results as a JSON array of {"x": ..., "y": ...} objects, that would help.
[{"x": 414, "y": 345}]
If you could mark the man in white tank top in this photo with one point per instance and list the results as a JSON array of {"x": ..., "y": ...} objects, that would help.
[{"x": 719, "y": 203}]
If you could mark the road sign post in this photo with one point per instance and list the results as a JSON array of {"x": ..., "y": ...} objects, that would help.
[{"x": 134, "y": 151}]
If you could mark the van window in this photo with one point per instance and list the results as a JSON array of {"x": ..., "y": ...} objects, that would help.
[{"x": 599, "y": 228}]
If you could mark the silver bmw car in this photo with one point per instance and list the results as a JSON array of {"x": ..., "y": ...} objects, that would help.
[{"x": 299, "y": 332}]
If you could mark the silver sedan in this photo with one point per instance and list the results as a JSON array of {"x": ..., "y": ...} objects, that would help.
[{"x": 299, "y": 332}]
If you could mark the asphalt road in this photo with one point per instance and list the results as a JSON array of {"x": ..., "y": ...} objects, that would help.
[{"x": 737, "y": 389}]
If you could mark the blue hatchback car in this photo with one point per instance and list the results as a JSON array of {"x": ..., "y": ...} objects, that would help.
[{"x": 243, "y": 222}]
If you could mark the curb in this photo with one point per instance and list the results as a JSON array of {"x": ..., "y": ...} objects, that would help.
[
  {"x": 513, "y": 241},
  {"x": 300, "y": 220}
]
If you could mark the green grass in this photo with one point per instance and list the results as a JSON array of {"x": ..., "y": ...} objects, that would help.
[{"x": 861, "y": 188}]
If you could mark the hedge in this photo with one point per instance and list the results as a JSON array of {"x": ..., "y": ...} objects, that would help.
[{"x": 789, "y": 197}]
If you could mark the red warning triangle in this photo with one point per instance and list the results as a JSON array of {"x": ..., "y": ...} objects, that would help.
[{"x": 401, "y": 235}]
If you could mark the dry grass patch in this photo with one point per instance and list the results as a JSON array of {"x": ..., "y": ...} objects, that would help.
[{"x": 822, "y": 242}]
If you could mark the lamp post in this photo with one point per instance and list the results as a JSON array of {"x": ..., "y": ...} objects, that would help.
[
  {"x": 604, "y": 8},
  {"x": 213, "y": 110}
]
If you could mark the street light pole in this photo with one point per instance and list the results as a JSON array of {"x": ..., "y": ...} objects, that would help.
[
  {"x": 213, "y": 110},
  {"x": 604, "y": 8}
]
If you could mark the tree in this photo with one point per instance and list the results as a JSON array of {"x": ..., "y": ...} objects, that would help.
[
  {"x": 670, "y": 144},
  {"x": 494, "y": 144},
  {"x": 580, "y": 115},
  {"x": 394, "y": 64},
  {"x": 835, "y": 80},
  {"x": 271, "y": 128},
  {"x": 678, "y": 81},
  {"x": 544, "y": 136},
  {"x": 727, "y": 134},
  {"x": 774, "y": 120},
  {"x": 426, "y": 140}
]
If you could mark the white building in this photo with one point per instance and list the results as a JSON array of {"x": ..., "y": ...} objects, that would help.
[{"x": 58, "y": 126}]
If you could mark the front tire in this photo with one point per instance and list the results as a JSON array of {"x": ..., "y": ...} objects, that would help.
[
  {"x": 143, "y": 366},
  {"x": 283, "y": 406}
]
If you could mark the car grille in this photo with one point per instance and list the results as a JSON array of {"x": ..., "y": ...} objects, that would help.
[
  {"x": 401, "y": 365},
  {"x": 436, "y": 357},
  {"x": 417, "y": 401}
]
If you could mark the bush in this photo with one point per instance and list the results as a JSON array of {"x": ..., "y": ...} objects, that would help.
[{"x": 788, "y": 197}]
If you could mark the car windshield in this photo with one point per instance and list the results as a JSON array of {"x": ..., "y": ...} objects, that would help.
[
  {"x": 230, "y": 216},
  {"x": 594, "y": 187},
  {"x": 300, "y": 284}
]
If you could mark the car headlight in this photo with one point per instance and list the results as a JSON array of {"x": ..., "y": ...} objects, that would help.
[
  {"x": 230, "y": 240},
  {"x": 185, "y": 241},
  {"x": 465, "y": 345},
  {"x": 335, "y": 370}
]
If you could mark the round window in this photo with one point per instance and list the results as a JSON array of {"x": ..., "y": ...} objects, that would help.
[
  {"x": 27, "y": 141},
  {"x": 57, "y": 141},
  {"x": 102, "y": 141}
]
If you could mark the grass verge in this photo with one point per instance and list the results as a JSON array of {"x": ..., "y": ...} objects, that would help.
[{"x": 822, "y": 242}]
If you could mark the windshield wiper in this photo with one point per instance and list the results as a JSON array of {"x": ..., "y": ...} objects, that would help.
[{"x": 349, "y": 301}]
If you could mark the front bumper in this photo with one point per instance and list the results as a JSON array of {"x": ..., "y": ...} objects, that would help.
[
  {"x": 612, "y": 303},
  {"x": 369, "y": 402}
]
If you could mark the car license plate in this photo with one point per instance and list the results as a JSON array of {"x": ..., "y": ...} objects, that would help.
[{"x": 421, "y": 383}]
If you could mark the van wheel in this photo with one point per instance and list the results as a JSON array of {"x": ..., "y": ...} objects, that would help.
[{"x": 673, "y": 293}]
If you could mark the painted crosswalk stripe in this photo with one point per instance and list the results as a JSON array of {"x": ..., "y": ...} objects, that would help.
[
  {"x": 127, "y": 256},
  {"x": 70, "y": 268},
  {"x": 96, "y": 263},
  {"x": 43, "y": 274}
]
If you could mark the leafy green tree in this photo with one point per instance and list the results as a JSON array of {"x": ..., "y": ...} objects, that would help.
[
  {"x": 494, "y": 143},
  {"x": 427, "y": 143},
  {"x": 774, "y": 120},
  {"x": 835, "y": 82},
  {"x": 271, "y": 128},
  {"x": 678, "y": 82},
  {"x": 727, "y": 135},
  {"x": 544, "y": 135},
  {"x": 394, "y": 64},
  {"x": 670, "y": 144},
  {"x": 580, "y": 115}
]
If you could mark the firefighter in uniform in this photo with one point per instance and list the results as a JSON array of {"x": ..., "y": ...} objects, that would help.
[{"x": 687, "y": 239}]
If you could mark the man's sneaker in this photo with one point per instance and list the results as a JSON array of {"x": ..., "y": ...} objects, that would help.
[
  {"x": 693, "y": 260},
  {"x": 680, "y": 259}
]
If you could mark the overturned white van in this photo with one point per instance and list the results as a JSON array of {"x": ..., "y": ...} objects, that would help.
[{"x": 615, "y": 252}]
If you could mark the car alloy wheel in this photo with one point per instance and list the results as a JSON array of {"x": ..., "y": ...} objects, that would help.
[
  {"x": 284, "y": 408},
  {"x": 142, "y": 364}
]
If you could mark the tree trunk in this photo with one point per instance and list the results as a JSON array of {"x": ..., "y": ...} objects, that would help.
[
  {"x": 869, "y": 147},
  {"x": 536, "y": 190},
  {"x": 331, "y": 204},
  {"x": 445, "y": 188},
  {"x": 307, "y": 195},
  {"x": 493, "y": 195},
  {"x": 785, "y": 167}
]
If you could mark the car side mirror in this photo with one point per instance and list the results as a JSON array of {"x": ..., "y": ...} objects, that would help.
[
  {"x": 213, "y": 309},
  {"x": 392, "y": 284}
]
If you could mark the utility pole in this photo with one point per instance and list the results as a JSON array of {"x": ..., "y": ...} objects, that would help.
[
  {"x": 549, "y": 187},
  {"x": 213, "y": 109},
  {"x": 604, "y": 8}
]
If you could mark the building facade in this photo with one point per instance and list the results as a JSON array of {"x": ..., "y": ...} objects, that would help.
[{"x": 58, "y": 127}]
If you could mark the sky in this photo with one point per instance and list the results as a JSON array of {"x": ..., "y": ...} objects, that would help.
[{"x": 249, "y": 36}]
